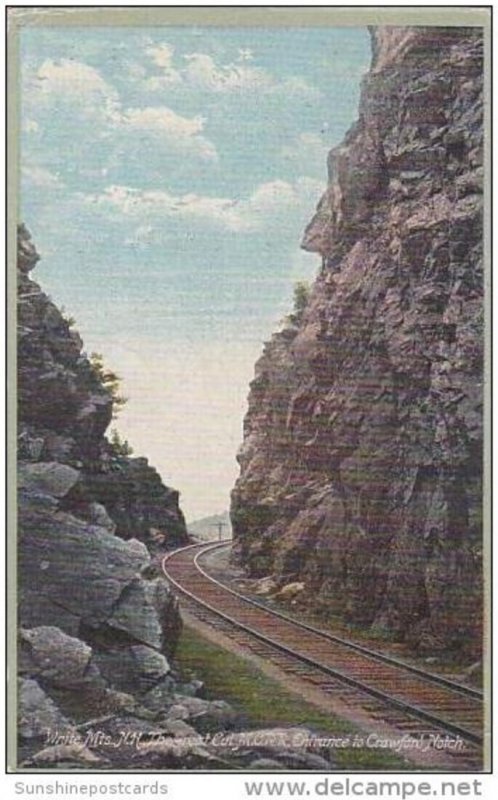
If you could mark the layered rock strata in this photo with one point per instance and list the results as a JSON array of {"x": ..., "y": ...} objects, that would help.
[{"x": 361, "y": 467}]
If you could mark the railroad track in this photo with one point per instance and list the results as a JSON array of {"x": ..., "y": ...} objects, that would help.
[{"x": 408, "y": 698}]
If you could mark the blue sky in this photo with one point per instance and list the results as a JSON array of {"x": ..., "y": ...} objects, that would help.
[{"x": 167, "y": 176}]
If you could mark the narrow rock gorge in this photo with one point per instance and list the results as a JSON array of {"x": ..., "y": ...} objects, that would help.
[
  {"x": 98, "y": 626},
  {"x": 361, "y": 466}
]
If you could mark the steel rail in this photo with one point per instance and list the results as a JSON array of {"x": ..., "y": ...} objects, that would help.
[
  {"x": 431, "y": 677},
  {"x": 400, "y": 705}
]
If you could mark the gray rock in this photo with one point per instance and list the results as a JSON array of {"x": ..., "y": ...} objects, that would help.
[
  {"x": 66, "y": 754},
  {"x": 361, "y": 467},
  {"x": 29, "y": 500},
  {"x": 38, "y": 716},
  {"x": 30, "y": 446},
  {"x": 88, "y": 569},
  {"x": 151, "y": 665},
  {"x": 139, "y": 503},
  {"x": 27, "y": 257},
  {"x": 98, "y": 515},
  {"x": 303, "y": 761},
  {"x": 194, "y": 688},
  {"x": 86, "y": 598},
  {"x": 179, "y": 753},
  {"x": 266, "y": 585},
  {"x": 180, "y": 730},
  {"x": 132, "y": 613},
  {"x": 161, "y": 697},
  {"x": 52, "y": 655},
  {"x": 205, "y": 715},
  {"x": 135, "y": 669},
  {"x": 49, "y": 478},
  {"x": 293, "y": 748},
  {"x": 59, "y": 448},
  {"x": 266, "y": 764}
]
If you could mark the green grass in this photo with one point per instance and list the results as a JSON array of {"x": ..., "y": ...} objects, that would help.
[{"x": 263, "y": 702}]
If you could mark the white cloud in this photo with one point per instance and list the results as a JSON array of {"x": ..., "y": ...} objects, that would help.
[
  {"x": 202, "y": 72},
  {"x": 184, "y": 132},
  {"x": 74, "y": 81},
  {"x": 278, "y": 196},
  {"x": 138, "y": 203},
  {"x": 90, "y": 96},
  {"x": 41, "y": 177},
  {"x": 164, "y": 121},
  {"x": 268, "y": 201},
  {"x": 161, "y": 55},
  {"x": 70, "y": 76},
  {"x": 275, "y": 194}
]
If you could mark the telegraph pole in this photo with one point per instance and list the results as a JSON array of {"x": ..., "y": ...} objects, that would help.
[{"x": 220, "y": 526}]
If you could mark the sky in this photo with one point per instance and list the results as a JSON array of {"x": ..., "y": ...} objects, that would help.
[{"x": 167, "y": 176}]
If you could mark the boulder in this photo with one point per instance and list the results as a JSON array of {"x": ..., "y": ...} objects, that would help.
[
  {"x": 38, "y": 716},
  {"x": 267, "y": 585},
  {"x": 266, "y": 765},
  {"x": 161, "y": 697},
  {"x": 49, "y": 478},
  {"x": 132, "y": 668},
  {"x": 294, "y": 748},
  {"x": 132, "y": 612},
  {"x": 180, "y": 730},
  {"x": 27, "y": 257},
  {"x": 68, "y": 565},
  {"x": 151, "y": 665},
  {"x": 56, "y": 658},
  {"x": 29, "y": 445},
  {"x": 204, "y": 715},
  {"x": 65, "y": 755},
  {"x": 194, "y": 688},
  {"x": 97, "y": 514},
  {"x": 290, "y": 591},
  {"x": 178, "y": 754}
]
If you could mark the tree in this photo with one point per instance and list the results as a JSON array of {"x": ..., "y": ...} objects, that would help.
[
  {"x": 70, "y": 321},
  {"x": 302, "y": 292},
  {"x": 120, "y": 446},
  {"x": 110, "y": 380}
]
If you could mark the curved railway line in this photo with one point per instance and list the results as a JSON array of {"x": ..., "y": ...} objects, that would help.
[{"x": 413, "y": 701}]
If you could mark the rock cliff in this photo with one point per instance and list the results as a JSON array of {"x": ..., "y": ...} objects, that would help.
[
  {"x": 361, "y": 467},
  {"x": 64, "y": 410},
  {"x": 98, "y": 688},
  {"x": 97, "y": 624}
]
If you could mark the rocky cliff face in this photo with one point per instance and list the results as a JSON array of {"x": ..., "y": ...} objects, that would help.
[
  {"x": 97, "y": 624},
  {"x": 63, "y": 412},
  {"x": 362, "y": 457}
]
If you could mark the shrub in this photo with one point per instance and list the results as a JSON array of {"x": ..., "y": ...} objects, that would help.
[
  {"x": 110, "y": 380},
  {"x": 302, "y": 292},
  {"x": 120, "y": 446}
]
